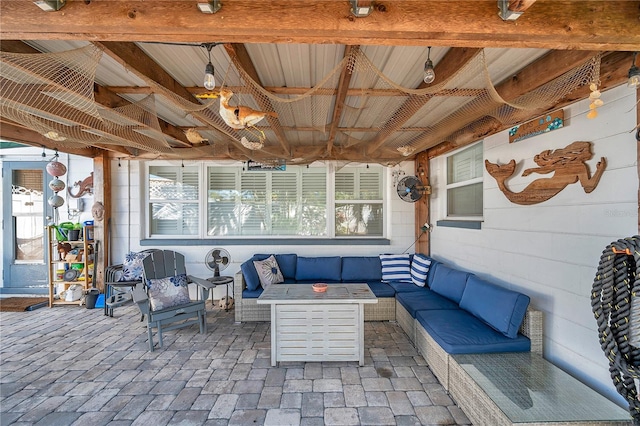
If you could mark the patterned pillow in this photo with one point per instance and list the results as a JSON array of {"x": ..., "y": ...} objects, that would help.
[
  {"x": 419, "y": 269},
  {"x": 132, "y": 266},
  {"x": 268, "y": 271},
  {"x": 396, "y": 267},
  {"x": 168, "y": 292}
]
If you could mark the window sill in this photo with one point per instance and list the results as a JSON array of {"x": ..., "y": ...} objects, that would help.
[
  {"x": 464, "y": 224},
  {"x": 266, "y": 242}
]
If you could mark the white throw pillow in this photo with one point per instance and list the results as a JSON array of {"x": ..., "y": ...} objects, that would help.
[
  {"x": 419, "y": 269},
  {"x": 168, "y": 292},
  {"x": 268, "y": 271},
  {"x": 396, "y": 267}
]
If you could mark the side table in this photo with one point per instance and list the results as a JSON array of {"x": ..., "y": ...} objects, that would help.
[{"x": 221, "y": 280}]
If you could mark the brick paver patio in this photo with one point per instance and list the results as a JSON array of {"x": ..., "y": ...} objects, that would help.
[{"x": 75, "y": 366}]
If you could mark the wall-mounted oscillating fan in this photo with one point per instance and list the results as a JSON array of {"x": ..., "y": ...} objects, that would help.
[
  {"x": 217, "y": 259},
  {"x": 410, "y": 189}
]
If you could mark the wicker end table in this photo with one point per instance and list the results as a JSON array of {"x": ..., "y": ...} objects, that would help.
[{"x": 525, "y": 389}]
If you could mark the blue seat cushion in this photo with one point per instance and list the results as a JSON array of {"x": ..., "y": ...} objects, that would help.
[
  {"x": 361, "y": 269},
  {"x": 252, "y": 294},
  {"x": 402, "y": 287},
  {"x": 501, "y": 308},
  {"x": 314, "y": 269},
  {"x": 459, "y": 332},
  {"x": 381, "y": 289},
  {"x": 424, "y": 299},
  {"x": 449, "y": 282}
]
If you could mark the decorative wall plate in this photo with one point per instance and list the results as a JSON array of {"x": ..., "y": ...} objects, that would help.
[{"x": 71, "y": 275}]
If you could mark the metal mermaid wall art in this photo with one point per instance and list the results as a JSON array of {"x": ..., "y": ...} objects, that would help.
[{"x": 568, "y": 166}]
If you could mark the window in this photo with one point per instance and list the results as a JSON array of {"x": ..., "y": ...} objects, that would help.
[
  {"x": 296, "y": 202},
  {"x": 173, "y": 200},
  {"x": 464, "y": 183},
  {"x": 275, "y": 203},
  {"x": 358, "y": 205}
]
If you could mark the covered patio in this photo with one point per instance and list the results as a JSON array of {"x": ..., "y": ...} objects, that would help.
[{"x": 97, "y": 370}]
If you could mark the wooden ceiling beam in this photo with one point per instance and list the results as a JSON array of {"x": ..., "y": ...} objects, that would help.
[
  {"x": 341, "y": 95},
  {"x": 551, "y": 24},
  {"x": 134, "y": 59},
  {"x": 453, "y": 61},
  {"x": 241, "y": 55},
  {"x": 613, "y": 72},
  {"x": 102, "y": 95},
  {"x": 195, "y": 90},
  {"x": 536, "y": 74},
  {"x": 110, "y": 99},
  {"x": 520, "y": 5},
  {"x": 14, "y": 132}
]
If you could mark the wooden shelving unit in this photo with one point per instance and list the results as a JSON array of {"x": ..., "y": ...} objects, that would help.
[{"x": 59, "y": 262}]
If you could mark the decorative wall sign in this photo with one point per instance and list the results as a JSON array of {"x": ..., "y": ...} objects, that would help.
[
  {"x": 568, "y": 166},
  {"x": 537, "y": 126},
  {"x": 254, "y": 165},
  {"x": 85, "y": 187}
]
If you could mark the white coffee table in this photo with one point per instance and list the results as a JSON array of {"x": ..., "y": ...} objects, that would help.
[{"x": 310, "y": 326}]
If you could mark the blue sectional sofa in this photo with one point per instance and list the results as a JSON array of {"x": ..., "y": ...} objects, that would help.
[
  {"x": 455, "y": 311},
  {"x": 309, "y": 270}
]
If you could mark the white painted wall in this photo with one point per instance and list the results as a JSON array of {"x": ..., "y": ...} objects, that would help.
[
  {"x": 127, "y": 227},
  {"x": 551, "y": 250}
]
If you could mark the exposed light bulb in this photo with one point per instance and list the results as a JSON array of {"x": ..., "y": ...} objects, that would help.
[
  {"x": 429, "y": 73},
  {"x": 209, "y": 79}
]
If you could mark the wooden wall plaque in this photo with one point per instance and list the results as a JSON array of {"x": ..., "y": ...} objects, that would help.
[{"x": 568, "y": 166}]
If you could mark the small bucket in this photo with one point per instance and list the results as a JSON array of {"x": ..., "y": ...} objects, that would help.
[
  {"x": 91, "y": 298},
  {"x": 73, "y": 234},
  {"x": 62, "y": 231}
]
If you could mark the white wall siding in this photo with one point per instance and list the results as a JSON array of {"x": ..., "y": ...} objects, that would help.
[{"x": 551, "y": 250}]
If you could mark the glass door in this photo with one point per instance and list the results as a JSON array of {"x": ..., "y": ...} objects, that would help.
[{"x": 25, "y": 190}]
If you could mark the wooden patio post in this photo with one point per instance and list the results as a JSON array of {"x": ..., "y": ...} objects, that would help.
[{"x": 102, "y": 194}]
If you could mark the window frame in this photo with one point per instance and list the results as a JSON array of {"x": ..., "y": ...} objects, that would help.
[
  {"x": 473, "y": 181},
  {"x": 203, "y": 168},
  {"x": 148, "y": 211}
]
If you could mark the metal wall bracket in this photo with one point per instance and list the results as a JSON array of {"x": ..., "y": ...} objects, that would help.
[
  {"x": 505, "y": 13},
  {"x": 211, "y": 6},
  {"x": 50, "y": 5},
  {"x": 360, "y": 11}
]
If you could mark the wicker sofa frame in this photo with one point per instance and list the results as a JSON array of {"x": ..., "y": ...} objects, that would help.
[{"x": 439, "y": 360}]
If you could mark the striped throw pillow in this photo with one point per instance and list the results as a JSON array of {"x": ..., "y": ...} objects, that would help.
[
  {"x": 396, "y": 267},
  {"x": 419, "y": 269}
]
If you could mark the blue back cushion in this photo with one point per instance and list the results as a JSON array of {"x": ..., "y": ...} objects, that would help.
[
  {"x": 449, "y": 282},
  {"x": 361, "y": 268},
  {"x": 432, "y": 272},
  {"x": 318, "y": 268},
  {"x": 249, "y": 272},
  {"x": 501, "y": 308}
]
